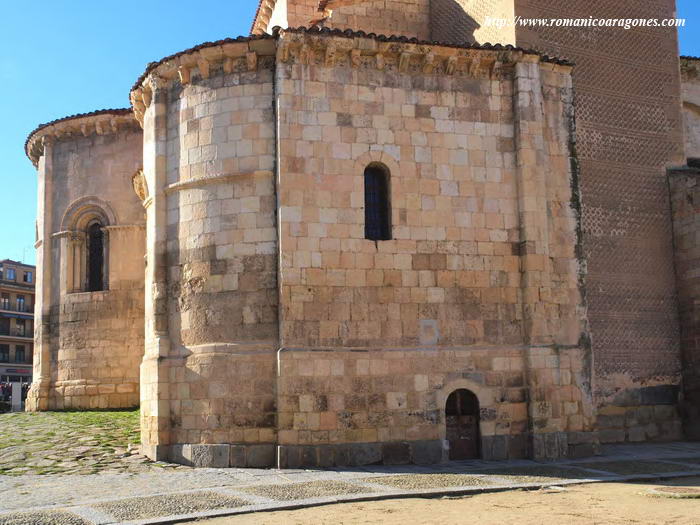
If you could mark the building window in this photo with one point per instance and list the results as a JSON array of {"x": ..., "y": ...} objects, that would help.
[
  {"x": 4, "y": 353},
  {"x": 11, "y": 274},
  {"x": 21, "y": 327},
  {"x": 20, "y": 354},
  {"x": 5, "y": 301},
  {"x": 20, "y": 303},
  {"x": 377, "y": 205},
  {"x": 28, "y": 277},
  {"x": 95, "y": 263}
]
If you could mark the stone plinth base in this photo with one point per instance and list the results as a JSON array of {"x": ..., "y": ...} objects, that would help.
[
  {"x": 555, "y": 445},
  {"x": 358, "y": 454}
]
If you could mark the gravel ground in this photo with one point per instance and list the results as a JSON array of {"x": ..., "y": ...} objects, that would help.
[
  {"x": 154, "y": 506},
  {"x": 313, "y": 489},
  {"x": 537, "y": 474},
  {"x": 430, "y": 481},
  {"x": 627, "y": 468},
  {"x": 42, "y": 518}
]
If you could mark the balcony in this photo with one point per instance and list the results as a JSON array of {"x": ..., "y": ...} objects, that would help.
[
  {"x": 23, "y": 334},
  {"x": 7, "y": 307}
]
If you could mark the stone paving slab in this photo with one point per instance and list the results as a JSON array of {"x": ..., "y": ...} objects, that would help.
[{"x": 180, "y": 494}]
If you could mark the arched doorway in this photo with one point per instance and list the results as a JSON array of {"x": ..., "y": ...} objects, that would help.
[{"x": 462, "y": 425}]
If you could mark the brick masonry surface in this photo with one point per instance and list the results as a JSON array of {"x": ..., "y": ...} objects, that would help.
[
  {"x": 629, "y": 130},
  {"x": 685, "y": 201}
]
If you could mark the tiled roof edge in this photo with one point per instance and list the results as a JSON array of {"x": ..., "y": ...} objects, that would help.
[
  {"x": 117, "y": 111},
  {"x": 153, "y": 65},
  {"x": 350, "y": 33}
]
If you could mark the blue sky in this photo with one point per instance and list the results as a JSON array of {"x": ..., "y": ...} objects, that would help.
[{"x": 58, "y": 58}]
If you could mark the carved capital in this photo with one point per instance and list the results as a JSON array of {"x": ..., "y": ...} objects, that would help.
[
  {"x": 155, "y": 83},
  {"x": 138, "y": 180}
]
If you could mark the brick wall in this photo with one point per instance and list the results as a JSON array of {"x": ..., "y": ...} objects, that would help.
[
  {"x": 628, "y": 130},
  {"x": 459, "y": 21},
  {"x": 383, "y": 17}
]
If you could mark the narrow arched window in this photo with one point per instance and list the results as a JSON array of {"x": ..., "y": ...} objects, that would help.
[
  {"x": 377, "y": 205},
  {"x": 95, "y": 262}
]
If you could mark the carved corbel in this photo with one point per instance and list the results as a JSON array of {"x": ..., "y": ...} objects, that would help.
[
  {"x": 184, "y": 74},
  {"x": 451, "y": 65},
  {"x": 251, "y": 58},
  {"x": 330, "y": 55},
  {"x": 98, "y": 128},
  {"x": 147, "y": 96},
  {"x": 356, "y": 57},
  {"x": 429, "y": 63},
  {"x": 137, "y": 101},
  {"x": 140, "y": 185},
  {"x": 203, "y": 66},
  {"x": 114, "y": 125},
  {"x": 380, "y": 61},
  {"x": 496, "y": 68},
  {"x": 305, "y": 54},
  {"x": 83, "y": 130},
  {"x": 284, "y": 51},
  {"x": 156, "y": 83},
  {"x": 473, "y": 67},
  {"x": 404, "y": 61},
  {"x": 228, "y": 65}
]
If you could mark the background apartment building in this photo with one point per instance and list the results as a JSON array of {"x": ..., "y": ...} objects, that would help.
[{"x": 16, "y": 321}]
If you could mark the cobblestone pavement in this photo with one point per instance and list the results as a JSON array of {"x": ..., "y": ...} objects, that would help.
[
  {"x": 70, "y": 443},
  {"x": 113, "y": 487}
]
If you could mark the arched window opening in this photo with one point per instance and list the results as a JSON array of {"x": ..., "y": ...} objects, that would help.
[
  {"x": 95, "y": 262},
  {"x": 377, "y": 205},
  {"x": 462, "y": 425}
]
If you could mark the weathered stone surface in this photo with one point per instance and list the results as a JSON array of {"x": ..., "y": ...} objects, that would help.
[
  {"x": 273, "y": 321},
  {"x": 211, "y": 456}
]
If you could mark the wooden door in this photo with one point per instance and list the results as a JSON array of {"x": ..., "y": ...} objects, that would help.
[{"x": 462, "y": 422}]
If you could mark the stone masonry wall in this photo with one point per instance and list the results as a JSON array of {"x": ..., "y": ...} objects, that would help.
[
  {"x": 94, "y": 340},
  {"x": 220, "y": 262},
  {"x": 685, "y": 202},
  {"x": 363, "y": 321},
  {"x": 690, "y": 94},
  {"x": 629, "y": 130},
  {"x": 383, "y": 17}
]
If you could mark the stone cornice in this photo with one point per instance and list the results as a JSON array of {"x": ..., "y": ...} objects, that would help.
[
  {"x": 229, "y": 55},
  {"x": 212, "y": 179},
  {"x": 330, "y": 47},
  {"x": 404, "y": 55},
  {"x": 102, "y": 122},
  {"x": 690, "y": 67}
]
